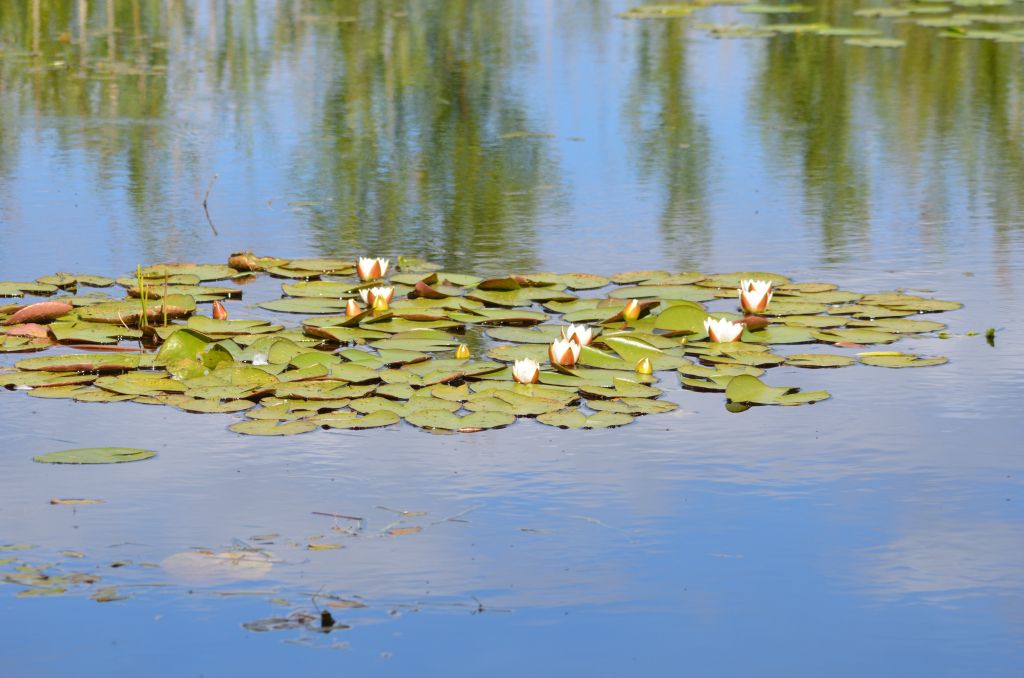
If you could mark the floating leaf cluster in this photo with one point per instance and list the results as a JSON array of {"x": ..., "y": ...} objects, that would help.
[
  {"x": 437, "y": 352},
  {"x": 943, "y": 18}
]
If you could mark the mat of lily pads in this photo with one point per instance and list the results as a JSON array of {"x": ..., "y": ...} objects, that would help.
[
  {"x": 888, "y": 25},
  {"x": 187, "y": 336}
]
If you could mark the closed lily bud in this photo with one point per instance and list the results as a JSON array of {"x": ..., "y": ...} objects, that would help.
[
  {"x": 564, "y": 353},
  {"x": 723, "y": 329},
  {"x": 462, "y": 352},
  {"x": 643, "y": 366},
  {"x": 219, "y": 312},
  {"x": 526, "y": 371},
  {"x": 352, "y": 308},
  {"x": 755, "y": 295},
  {"x": 632, "y": 310}
]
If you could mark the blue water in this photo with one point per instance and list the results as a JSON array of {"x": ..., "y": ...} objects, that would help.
[{"x": 877, "y": 533}]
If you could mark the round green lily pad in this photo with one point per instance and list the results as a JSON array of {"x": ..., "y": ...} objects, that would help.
[{"x": 95, "y": 455}]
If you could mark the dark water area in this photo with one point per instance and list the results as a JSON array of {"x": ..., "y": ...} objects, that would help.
[{"x": 880, "y": 532}]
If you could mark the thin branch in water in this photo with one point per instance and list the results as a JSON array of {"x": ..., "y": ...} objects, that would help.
[
  {"x": 457, "y": 518},
  {"x": 206, "y": 209}
]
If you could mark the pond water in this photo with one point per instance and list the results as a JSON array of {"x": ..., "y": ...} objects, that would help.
[{"x": 880, "y": 532}]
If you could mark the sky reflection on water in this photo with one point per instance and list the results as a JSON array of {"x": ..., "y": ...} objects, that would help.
[{"x": 876, "y": 533}]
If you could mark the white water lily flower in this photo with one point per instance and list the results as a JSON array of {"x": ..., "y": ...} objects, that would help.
[
  {"x": 526, "y": 371},
  {"x": 723, "y": 329},
  {"x": 260, "y": 359},
  {"x": 755, "y": 295},
  {"x": 369, "y": 268},
  {"x": 581, "y": 334},
  {"x": 563, "y": 352},
  {"x": 371, "y": 295}
]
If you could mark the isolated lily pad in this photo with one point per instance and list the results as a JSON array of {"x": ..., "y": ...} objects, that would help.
[
  {"x": 901, "y": 360},
  {"x": 272, "y": 428},
  {"x": 95, "y": 455},
  {"x": 875, "y": 42}
]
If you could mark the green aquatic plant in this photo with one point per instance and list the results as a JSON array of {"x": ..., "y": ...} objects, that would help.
[{"x": 441, "y": 350}]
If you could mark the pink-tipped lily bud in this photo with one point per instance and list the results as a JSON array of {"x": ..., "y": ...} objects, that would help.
[
  {"x": 352, "y": 308},
  {"x": 219, "y": 312},
  {"x": 723, "y": 330},
  {"x": 564, "y": 353},
  {"x": 462, "y": 352},
  {"x": 644, "y": 366},
  {"x": 755, "y": 295},
  {"x": 581, "y": 334},
  {"x": 369, "y": 268},
  {"x": 632, "y": 310},
  {"x": 526, "y": 371}
]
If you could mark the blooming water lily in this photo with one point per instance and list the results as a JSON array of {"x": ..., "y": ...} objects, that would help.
[
  {"x": 581, "y": 334},
  {"x": 723, "y": 329},
  {"x": 755, "y": 295},
  {"x": 526, "y": 371},
  {"x": 369, "y": 268},
  {"x": 563, "y": 352},
  {"x": 371, "y": 296}
]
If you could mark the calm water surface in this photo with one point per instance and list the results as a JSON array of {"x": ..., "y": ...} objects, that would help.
[{"x": 878, "y": 533}]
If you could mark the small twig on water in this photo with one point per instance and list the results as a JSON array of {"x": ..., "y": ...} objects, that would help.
[
  {"x": 457, "y": 518},
  {"x": 342, "y": 516},
  {"x": 206, "y": 209}
]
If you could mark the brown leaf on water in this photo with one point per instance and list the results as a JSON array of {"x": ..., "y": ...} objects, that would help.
[
  {"x": 323, "y": 547},
  {"x": 754, "y": 322},
  {"x": 405, "y": 530},
  {"x": 75, "y": 502},
  {"x": 107, "y": 594},
  {"x": 85, "y": 578},
  {"x": 43, "y": 591},
  {"x": 72, "y": 554},
  {"x": 41, "y": 312},
  {"x": 343, "y": 604},
  {"x": 29, "y": 330}
]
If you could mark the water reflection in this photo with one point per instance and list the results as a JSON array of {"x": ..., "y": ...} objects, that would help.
[
  {"x": 390, "y": 126},
  {"x": 927, "y": 135},
  {"x": 419, "y": 128},
  {"x": 670, "y": 144},
  {"x": 946, "y": 561},
  {"x": 419, "y": 137}
]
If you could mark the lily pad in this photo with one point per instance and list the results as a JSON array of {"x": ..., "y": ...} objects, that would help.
[
  {"x": 574, "y": 418},
  {"x": 633, "y": 406},
  {"x": 901, "y": 360},
  {"x": 751, "y": 390},
  {"x": 95, "y": 455},
  {"x": 272, "y": 428},
  {"x": 447, "y": 421},
  {"x": 820, "y": 360}
]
